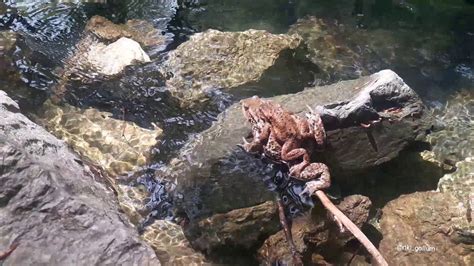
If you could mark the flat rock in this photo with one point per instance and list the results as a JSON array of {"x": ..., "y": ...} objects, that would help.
[
  {"x": 216, "y": 176},
  {"x": 315, "y": 232},
  {"x": 51, "y": 205},
  {"x": 215, "y": 60}
]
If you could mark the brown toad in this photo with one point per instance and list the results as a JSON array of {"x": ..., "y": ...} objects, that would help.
[{"x": 280, "y": 134}]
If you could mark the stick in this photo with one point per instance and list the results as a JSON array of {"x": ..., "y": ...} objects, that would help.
[
  {"x": 7, "y": 253},
  {"x": 287, "y": 230},
  {"x": 352, "y": 228}
]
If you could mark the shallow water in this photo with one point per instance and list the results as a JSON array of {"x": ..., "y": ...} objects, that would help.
[{"x": 430, "y": 44}]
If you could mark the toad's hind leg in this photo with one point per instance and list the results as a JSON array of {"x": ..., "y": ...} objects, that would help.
[
  {"x": 318, "y": 177},
  {"x": 288, "y": 153}
]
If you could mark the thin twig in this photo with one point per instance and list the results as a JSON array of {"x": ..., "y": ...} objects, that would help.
[
  {"x": 7, "y": 253},
  {"x": 352, "y": 228},
  {"x": 287, "y": 230}
]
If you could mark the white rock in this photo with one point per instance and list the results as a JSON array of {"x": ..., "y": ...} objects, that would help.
[{"x": 113, "y": 58}]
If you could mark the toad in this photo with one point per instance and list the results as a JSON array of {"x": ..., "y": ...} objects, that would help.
[{"x": 280, "y": 134}]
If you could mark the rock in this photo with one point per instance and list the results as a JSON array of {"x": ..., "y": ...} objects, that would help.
[
  {"x": 215, "y": 60},
  {"x": 115, "y": 145},
  {"x": 315, "y": 232},
  {"x": 454, "y": 141},
  {"x": 135, "y": 29},
  {"x": 329, "y": 50},
  {"x": 7, "y": 41},
  {"x": 427, "y": 228},
  {"x": 460, "y": 183},
  {"x": 216, "y": 176},
  {"x": 51, "y": 205},
  {"x": 241, "y": 228},
  {"x": 342, "y": 51},
  {"x": 170, "y": 244},
  {"x": 113, "y": 58},
  {"x": 105, "y": 50}
]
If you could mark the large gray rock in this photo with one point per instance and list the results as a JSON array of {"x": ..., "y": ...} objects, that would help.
[
  {"x": 53, "y": 207},
  {"x": 215, "y": 176}
]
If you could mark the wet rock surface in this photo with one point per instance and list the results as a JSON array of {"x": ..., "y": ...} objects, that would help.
[
  {"x": 115, "y": 145},
  {"x": 213, "y": 60},
  {"x": 216, "y": 176},
  {"x": 241, "y": 228},
  {"x": 454, "y": 139},
  {"x": 315, "y": 234},
  {"x": 427, "y": 228},
  {"x": 53, "y": 207},
  {"x": 170, "y": 244},
  {"x": 141, "y": 31}
]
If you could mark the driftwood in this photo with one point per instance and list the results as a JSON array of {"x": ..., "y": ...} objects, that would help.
[{"x": 351, "y": 227}]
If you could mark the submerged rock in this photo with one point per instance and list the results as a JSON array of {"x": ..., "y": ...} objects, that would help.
[
  {"x": 105, "y": 50},
  {"x": 315, "y": 232},
  {"x": 170, "y": 244},
  {"x": 454, "y": 141},
  {"x": 215, "y": 176},
  {"x": 115, "y": 145},
  {"x": 241, "y": 228},
  {"x": 215, "y": 60},
  {"x": 113, "y": 58},
  {"x": 343, "y": 51},
  {"x": 51, "y": 205},
  {"x": 138, "y": 30}
]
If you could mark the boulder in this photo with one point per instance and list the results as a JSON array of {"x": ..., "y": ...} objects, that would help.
[
  {"x": 216, "y": 176},
  {"x": 51, "y": 205},
  {"x": 215, "y": 60},
  {"x": 315, "y": 233},
  {"x": 115, "y": 145}
]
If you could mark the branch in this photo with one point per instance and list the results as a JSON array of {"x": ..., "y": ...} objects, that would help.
[{"x": 352, "y": 228}]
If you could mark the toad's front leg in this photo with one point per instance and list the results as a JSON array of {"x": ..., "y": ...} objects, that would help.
[
  {"x": 290, "y": 152},
  {"x": 260, "y": 137}
]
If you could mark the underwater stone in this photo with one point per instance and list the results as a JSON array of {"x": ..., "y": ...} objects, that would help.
[
  {"x": 138, "y": 30},
  {"x": 454, "y": 141},
  {"x": 115, "y": 145},
  {"x": 171, "y": 245},
  {"x": 113, "y": 58},
  {"x": 241, "y": 228},
  {"x": 214, "y": 60},
  {"x": 52, "y": 206}
]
